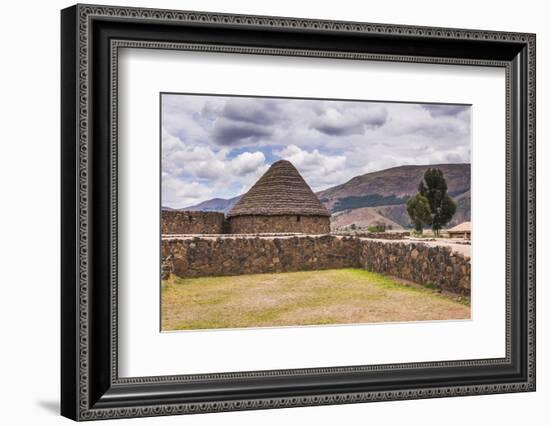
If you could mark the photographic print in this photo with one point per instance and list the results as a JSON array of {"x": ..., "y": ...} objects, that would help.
[
  {"x": 346, "y": 208},
  {"x": 307, "y": 212}
]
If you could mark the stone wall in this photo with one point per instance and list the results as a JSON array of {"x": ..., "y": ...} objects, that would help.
[
  {"x": 432, "y": 265},
  {"x": 278, "y": 224},
  {"x": 209, "y": 256},
  {"x": 234, "y": 255},
  {"x": 191, "y": 222},
  {"x": 384, "y": 235}
]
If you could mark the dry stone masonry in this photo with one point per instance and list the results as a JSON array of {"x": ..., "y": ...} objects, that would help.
[
  {"x": 280, "y": 224},
  {"x": 196, "y": 257},
  {"x": 191, "y": 222},
  {"x": 236, "y": 255},
  {"x": 437, "y": 266}
]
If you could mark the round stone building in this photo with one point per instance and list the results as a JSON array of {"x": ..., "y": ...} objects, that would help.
[{"x": 280, "y": 202}]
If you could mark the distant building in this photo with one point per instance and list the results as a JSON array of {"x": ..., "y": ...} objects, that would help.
[
  {"x": 463, "y": 230},
  {"x": 280, "y": 201}
]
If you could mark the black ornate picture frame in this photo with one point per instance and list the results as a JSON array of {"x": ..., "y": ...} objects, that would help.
[{"x": 91, "y": 37}]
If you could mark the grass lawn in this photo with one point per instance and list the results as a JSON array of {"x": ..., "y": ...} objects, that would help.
[{"x": 337, "y": 296}]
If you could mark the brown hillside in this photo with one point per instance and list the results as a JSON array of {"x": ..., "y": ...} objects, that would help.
[
  {"x": 398, "y": 181},
  {"x": 362, "y": 217},
  {"x": 381, "y": 196}
]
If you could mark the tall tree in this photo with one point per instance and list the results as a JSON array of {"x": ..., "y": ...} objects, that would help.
[
  {"x": 418, "y": 208},
  {"x": 442, "y": 206}
]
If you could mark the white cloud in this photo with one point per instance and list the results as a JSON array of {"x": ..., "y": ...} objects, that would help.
[
  {"x": 320, "y": 171},
  {"x": 349, "y": 119},
  {"x": 246, "y": 163},
  {"x": 328, "y": 141},
  {"x": 194, "y": 173},
  {"x": 176, "y": 193}
]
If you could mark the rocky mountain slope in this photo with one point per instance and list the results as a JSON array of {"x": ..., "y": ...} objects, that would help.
[
  {"x": 215, "y": 205},
  {"x": 381, "y": 196}
]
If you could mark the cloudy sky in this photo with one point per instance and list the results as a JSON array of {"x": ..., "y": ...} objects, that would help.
[{"x": 218, "y": 146}]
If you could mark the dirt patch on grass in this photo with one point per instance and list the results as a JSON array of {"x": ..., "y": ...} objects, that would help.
[{"x": 338, "y": 296}]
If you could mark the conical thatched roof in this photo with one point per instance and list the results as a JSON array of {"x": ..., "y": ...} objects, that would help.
[{"x": 280, "y": 191}]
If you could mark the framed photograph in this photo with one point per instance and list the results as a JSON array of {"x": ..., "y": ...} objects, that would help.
[{"x": 263, "y": 212}]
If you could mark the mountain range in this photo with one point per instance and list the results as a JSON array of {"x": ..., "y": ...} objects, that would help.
[
  {"x": 378, "y": 197},
  {"x": 215, "y": 205}
]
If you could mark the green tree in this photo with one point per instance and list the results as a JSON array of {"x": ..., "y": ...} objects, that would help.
[
  {"x": 418, "y": 208},
  {"x": 442, "y": 206}
]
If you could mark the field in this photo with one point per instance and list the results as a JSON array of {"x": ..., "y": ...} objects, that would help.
[{"x": 337, "y": 296}]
